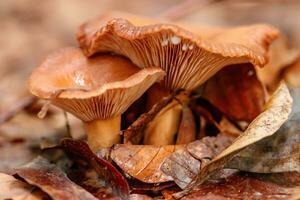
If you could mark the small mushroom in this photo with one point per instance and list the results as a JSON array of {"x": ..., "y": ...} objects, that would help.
[
  {"x": 188, "y": 58},
  {"x": 96, "y": 90}
]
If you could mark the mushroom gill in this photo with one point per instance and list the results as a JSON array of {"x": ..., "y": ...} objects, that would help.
[
  {"x": 97, "y": 90},
  {"x": 188, "y": 58}
]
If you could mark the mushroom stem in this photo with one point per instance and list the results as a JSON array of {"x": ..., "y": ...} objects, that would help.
[
  {"x": 103, "y": 133},
  {"x": 163, "y": 128}
]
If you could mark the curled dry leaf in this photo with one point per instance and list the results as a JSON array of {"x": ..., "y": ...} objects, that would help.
[
  {"x": 104, "y": 168},
  {"x": 266, "y": 124},
  {"x": 184, "y": 164},
  {"x": 187, "y": 127},
  {"x": 133, "y": 134},
  {"x": 243, "y": 101},
  {"x": 52, "y": 180},
  {"x": 11, "y": 188},
  {"x": 277, "y": 153},
  {"x": 157, "y": 164},
  {"x": 240, "y": 187}
]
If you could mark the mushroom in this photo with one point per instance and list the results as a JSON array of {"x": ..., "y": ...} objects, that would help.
[
  {"x": 189, "y": 59},
  {"x": 97, "y": 90}
]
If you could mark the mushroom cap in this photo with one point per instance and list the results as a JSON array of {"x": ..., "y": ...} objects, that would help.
[
  {"x": 99, "y": 87},
  {"x": 188, "y": 59}
]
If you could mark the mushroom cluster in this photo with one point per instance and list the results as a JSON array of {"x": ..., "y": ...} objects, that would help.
[{"x": 122, "y": 56}]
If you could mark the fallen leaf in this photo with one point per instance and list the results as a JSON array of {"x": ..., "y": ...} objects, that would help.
[
  {"x": 15, "y": 108},
  {"x": 30, "y": 127},
  {"x": 266, "y": 124},
  {"x": 152, "y": 164},
  {"x": 182, "y": 167},
  {"x": 287, "y": 179},
  {"x": 104, "y": 168},
  {"x": 14, "y": 154},
  {"x": 143, "y": 161},
  {"x": 11, "y": 188},
  {"x": 239, "y": 187},
  {"x": 243, "y": 101},
  {"x": 133, "y": 134},
  {"x": 276, "y": 153},
  {"x": 52, "y": 180},
  {"x": 185, "y": 164}
]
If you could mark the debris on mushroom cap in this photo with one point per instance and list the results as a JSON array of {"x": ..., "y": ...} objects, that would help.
[
  {"x": 91, "y": 88},
  {"x": 187, "y": 58}
]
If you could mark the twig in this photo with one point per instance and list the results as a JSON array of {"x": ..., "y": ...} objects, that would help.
[
  {"x": 16, "y": 108},
  {"x": 133, "y": 133}
]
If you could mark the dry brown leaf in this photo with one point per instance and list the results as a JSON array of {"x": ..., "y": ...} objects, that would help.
[
  {"x": 155, "y": 164},
  {"x": 277, "y": 153},
  {"x": 187, "y": 128},
  {"x": 11, "y": 188},
  {"x": 30, "y": 127},
  {"x": 184, "y": 164},
  {"x": 52, "y": 180},
  {"x": 143, "y": 161},
  {"x": 266, "y": 124},
  {"x": 243, "y": 101},
  {"x": 238, "y": 187},
  {"x": 114, "y": 181},
  {"x": 14, "y": 153},
  {"x": 133, "y": 134}
]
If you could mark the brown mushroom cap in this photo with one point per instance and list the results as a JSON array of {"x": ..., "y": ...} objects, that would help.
[
  {"x": 189, "y": 59},
  {"x": 100, "y": 87}
]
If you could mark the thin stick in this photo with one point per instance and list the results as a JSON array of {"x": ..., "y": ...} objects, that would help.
[{"x": 16, "y": 108}]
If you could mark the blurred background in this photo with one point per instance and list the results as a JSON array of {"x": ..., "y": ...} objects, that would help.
[{"x": 30, "y": 29}]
